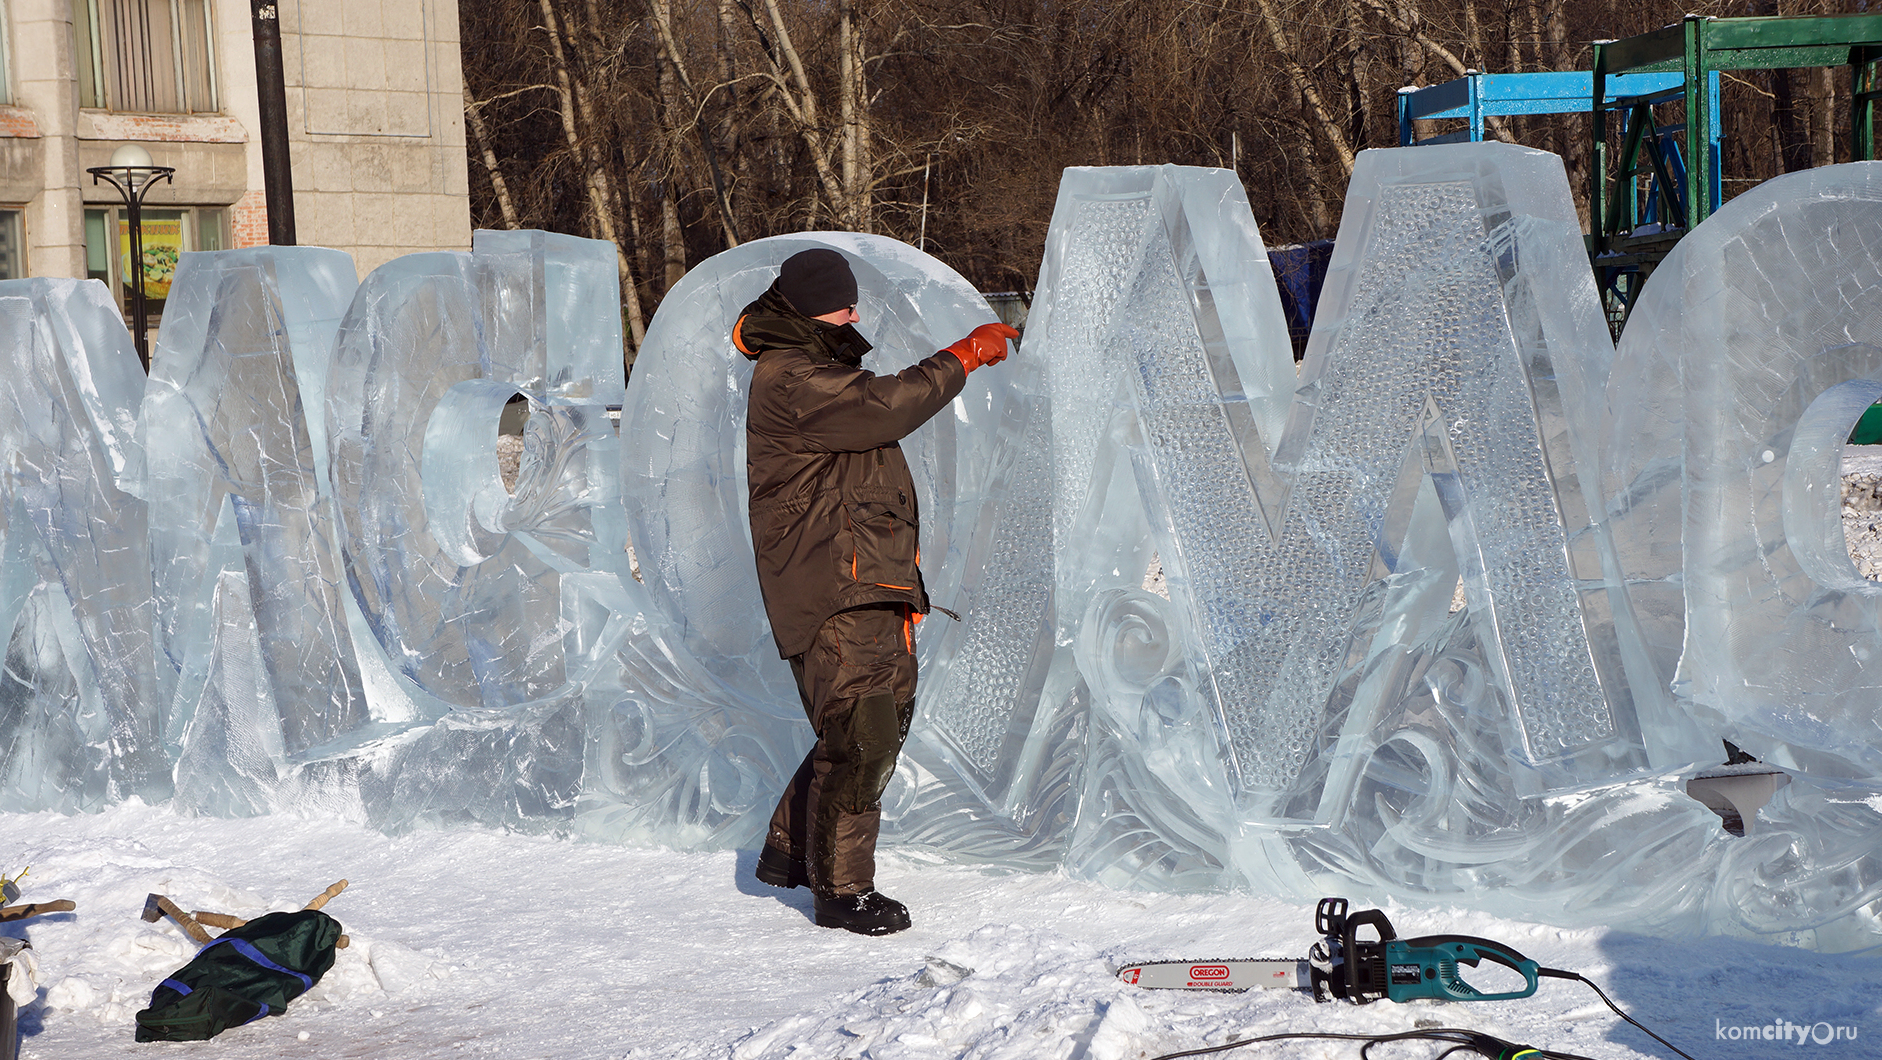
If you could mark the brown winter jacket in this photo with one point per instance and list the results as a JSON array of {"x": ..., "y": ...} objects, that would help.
[{"x": 834, "y": 518}]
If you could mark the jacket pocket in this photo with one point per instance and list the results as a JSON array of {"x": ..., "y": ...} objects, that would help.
[{"x": 884, "y": 539}]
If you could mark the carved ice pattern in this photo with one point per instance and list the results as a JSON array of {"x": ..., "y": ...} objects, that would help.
[{"x": 1448, "y": 426}]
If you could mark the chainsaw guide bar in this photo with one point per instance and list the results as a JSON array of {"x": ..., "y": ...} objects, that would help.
[{"x": 1227, "y": 976}]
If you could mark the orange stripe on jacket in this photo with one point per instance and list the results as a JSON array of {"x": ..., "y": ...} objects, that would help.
[{"x": 739, "y": 341}]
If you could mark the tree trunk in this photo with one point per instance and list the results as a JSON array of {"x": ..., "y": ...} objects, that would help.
[
  {"x": 1573, "y": 138},
  {"x": 853, "y": 97},
  {"x": 794, "y": 90},
  {"x": 672, "y": 122},
  {"x": 1792, "y": 138},
  {"x": 1359, "y": 81},
  {"x": 600, "y": 193},
  {"x": 480, "y": 136},
  {"x": 1822, "y": 116},
  {"x": 670, "y": 49},
  {"x": 1317, "y": 113},
  {"x": 1411, "y": 57},
  {"x": 630, "y": 290},
  {"x": 1473, "y": 37},
  {"x": 1512, "y": 35},
  {"x": 734, "y": 130},
  {"x": 1543, "y": 61}
]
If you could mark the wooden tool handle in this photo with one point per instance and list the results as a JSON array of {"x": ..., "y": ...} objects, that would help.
[
  {"x": 219, "y": 920},
  {"x": 21, "y": 912},
  {"x": 186, "y": 921},
  {"x": 226, "y": 921},
  {"x": 327, "y": 895}
]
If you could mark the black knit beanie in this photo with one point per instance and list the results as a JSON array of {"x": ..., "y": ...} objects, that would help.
[{"x": 816, "y": 282}]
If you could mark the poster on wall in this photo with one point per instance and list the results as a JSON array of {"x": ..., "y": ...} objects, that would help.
[{"x": 163, "y": 243}]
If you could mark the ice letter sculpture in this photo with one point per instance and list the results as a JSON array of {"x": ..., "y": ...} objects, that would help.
[
  {"x": 249, "y": 618},
  {"x": 702, "y": 726},
  {"x": 290, "y": 570},
  {"x": 1747, "y": 363},
  {"x": 1752, "y": 353},
  {"x": 1308, "y": 673},
  {"x": 81, "y": 708},
  {"x": 460, "y": 580}
]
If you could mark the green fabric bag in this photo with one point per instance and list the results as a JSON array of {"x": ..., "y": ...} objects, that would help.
[{"x": 249, "y": 972}]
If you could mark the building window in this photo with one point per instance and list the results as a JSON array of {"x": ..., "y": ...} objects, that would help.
[
  {"x": 12, "y": 245},
  {"x": 145, "y": 56},
  {"x": 167, "y": 234}
]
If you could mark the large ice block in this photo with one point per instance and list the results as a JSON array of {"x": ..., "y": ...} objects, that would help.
[
  {"x": 1749, "y": 357},
  {"x": 1153, "y": 808},
  {"x": 224, "y": 435},
  {"x": 1459, "y": 318},
  {"x": 982, "y": 470},
  {"x": 227, "y": 728},
  {"x": 457, "y": 577},
  {"x": 1442, "y": 412},
  {"x": 81, "y": 709},
  {"x": 1303, "y": 713}
]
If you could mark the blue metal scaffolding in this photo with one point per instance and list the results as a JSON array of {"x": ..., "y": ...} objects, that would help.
[
  {"x": 1477, "y": 96},
  {"x": 1657, "y": 216}
]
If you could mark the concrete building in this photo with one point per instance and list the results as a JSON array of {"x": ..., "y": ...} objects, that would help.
[{"x": 375, "y": 113}]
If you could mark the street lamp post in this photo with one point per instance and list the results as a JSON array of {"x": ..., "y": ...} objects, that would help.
[{"x": 132, "y": 173}]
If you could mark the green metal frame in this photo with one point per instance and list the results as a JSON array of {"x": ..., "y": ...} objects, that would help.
[{"x": 1699, "y": 47}]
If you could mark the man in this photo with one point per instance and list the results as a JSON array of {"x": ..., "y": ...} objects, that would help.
[{"x": 836, "y": 527}]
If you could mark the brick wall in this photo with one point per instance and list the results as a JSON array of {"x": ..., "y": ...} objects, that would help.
[{"x": 248, "y": 220}]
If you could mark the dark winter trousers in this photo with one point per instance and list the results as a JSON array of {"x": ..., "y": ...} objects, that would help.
[{"x": 857, "y": 682}]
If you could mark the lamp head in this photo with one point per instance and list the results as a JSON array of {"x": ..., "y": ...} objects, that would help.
[
  {"x": 134, "y": 166},
  {"x": 131, "y": 156}
]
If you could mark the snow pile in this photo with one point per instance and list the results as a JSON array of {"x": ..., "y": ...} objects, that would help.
[{"x": 474, "y": 944}]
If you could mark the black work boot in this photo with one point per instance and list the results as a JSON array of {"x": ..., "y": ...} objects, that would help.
[
  {"x": 868, "y": 913},
  {"x": 779, "y": 869}
]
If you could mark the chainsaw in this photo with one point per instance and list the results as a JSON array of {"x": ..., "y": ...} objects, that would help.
[{"x": 1342, "y": 966}]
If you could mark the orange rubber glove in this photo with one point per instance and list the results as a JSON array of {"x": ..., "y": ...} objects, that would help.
[{"x": 986, "y": 344}]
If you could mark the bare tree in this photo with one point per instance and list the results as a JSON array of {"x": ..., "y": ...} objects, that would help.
[{"x": 677, "y": 128}]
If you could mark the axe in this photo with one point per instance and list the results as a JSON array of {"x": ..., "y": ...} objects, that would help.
[
  {"x": 227, "y": 921},
  {"x": 156, "y": 905}
]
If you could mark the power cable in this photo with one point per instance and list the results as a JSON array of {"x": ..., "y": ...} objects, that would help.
[
  {"x": 1557, "y": 973},
  {"x": 1459, "y": 1039}
]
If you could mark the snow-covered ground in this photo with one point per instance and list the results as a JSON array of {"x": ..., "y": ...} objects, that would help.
[{"x": 471, "y": 943}]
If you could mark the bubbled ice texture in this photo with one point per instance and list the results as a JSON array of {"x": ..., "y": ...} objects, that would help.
[
  {"x": 981, "y": 474},
  {"x": 1100, "y": 255},
  {"x": 1427, "y": 320},
  {"x": 1216, "y": 544},
  {"x": 1272, "y": 567},
  {"x": 1441, "y": 307},
  {"x": 998, "y": 666}
]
